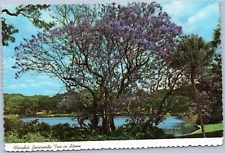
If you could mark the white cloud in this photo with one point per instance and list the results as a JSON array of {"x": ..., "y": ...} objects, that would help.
[
  {"x": 181, "y": 10},
  {"x": 14, "y": 86},
  {"x": 204, "y": 21},
  {"x": 54, "y": 84},
  {"x": 174, "y": 8},
  {"x": 38, "y": 83},
  {"x": 35, "y": 84},
  {"x": 204, "y": 13}
]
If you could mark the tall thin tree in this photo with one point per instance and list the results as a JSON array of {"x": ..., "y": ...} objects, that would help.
[{"x": 194, "y": 52}]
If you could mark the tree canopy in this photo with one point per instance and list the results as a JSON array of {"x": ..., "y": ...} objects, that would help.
[
  {"x": 107, "y": 48},
  {"x": 31, "y": 12}
]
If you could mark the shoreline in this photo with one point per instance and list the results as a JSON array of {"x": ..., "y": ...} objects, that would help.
[{"x": 76, "y": 115}]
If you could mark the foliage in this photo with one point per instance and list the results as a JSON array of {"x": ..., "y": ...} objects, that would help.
[
  {"x": 216, "y": 37},
  {"x": 28, "y": 138},
  {"x": 31, "y": 12},
  {"x": 143, "y": 131},
  {"x": 210, "y": 87},
  {"x": 180, "y": 105},
  {"x": 194, "y": 52},
  {"x": 10, "y": 122},
  {"x": 31, "y": 105}
]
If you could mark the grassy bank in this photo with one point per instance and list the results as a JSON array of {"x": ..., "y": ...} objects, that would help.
[{"x": 211, "y": 130}]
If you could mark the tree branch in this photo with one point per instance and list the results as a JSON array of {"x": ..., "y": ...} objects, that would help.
[{"x": 17, "y": 12}]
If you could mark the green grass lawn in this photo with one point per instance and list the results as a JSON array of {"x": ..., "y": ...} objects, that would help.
[{"x": 211, "y": 128}]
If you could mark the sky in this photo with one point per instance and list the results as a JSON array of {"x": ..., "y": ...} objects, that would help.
[{"x": 195, "y": 16}]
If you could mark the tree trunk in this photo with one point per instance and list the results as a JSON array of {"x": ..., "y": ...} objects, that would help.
[
  {"x": 197, "y": 101},
  {"x": 105, "y": 124},
  {"x": 94, "y": 120},
  {"x": 111, "y": 121}
]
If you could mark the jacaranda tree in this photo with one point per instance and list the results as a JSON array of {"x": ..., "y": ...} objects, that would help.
[{"x": 105, "y": 49}]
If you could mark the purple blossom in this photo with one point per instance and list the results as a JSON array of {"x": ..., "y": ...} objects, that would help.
[
  {"x": 111, "y": 58},
  {"x": 16, "y": 48},
  {"x": 144, "y": 85},
  {"x": 115, "y": 24},
  {"x": 32, "y": 41},
  {"x": 133, "y": 91},
  {"x": 63, "y": 48},
  {"x": 133, "y": 99},
  {"x": 126, "y": 28},
  {"x": 101, "y": 54},
  {"x": 204, "y": 93},
  {"x": 85, "y": 23},
  {"x": 44, "y": 39},
  {"x": 144, "y": 97},
  {"x": 110, "y": 108},
  {"x": 154, "y": 67},
  {"x": 117, "y": 56}
]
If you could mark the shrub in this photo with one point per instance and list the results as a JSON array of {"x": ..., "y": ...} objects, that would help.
[
  {"x": 28, "y": 138},
  {"x": 142, "y": 131},
  {"x": 11, "y": 122},
  {"x": 12, "y": 138}
]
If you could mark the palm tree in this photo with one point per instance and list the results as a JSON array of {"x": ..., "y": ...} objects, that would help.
[
  {"x": 216, "y": 37},
  {"x": 194, "y": 53}
]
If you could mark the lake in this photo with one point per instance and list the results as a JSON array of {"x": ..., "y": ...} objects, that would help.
[{"x": 170, "y": 125}]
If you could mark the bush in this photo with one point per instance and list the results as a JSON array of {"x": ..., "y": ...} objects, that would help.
[
  {"x": 64, "y": 132},
  {"x": 13, "y": 138},
  {"x": 10, "y": 122},
  {"x": 28, "y": 138},
  {"x": 142, "y": 131},
  {"x": 36, "y": 137}
]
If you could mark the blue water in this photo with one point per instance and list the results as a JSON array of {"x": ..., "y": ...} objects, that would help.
[
  {"x": 170, "y": 125},
  {"x": 119, "y": 121}
]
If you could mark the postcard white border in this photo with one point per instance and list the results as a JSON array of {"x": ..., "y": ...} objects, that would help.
[{"x": 128, "y": 144}]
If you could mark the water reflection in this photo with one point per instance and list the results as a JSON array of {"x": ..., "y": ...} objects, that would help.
[
  {"x": 170, "y": 125},
  {"x": 180, "y": 129},
  {"x": 176, "y": 127}
]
